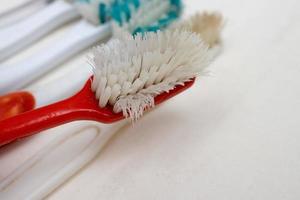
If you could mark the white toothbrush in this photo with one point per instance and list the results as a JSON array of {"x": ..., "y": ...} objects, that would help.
[
  {"x": 19, "y": 75},
  {"x": 16, "y": 37}
]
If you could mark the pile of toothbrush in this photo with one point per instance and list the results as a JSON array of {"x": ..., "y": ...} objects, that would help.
[
  {"x": 147, "y": 55},
  {"x": 152, "y": 56}
]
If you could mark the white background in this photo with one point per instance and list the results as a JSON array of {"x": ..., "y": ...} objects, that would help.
[{"x": 234, "y": 135}]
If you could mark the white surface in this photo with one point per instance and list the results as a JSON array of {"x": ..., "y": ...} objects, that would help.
[{"x": 234, "y": 135}]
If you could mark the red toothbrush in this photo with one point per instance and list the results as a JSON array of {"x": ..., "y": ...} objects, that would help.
[
  {"x": 125, "y": 79},
  {"x": 82, "y": 106}
]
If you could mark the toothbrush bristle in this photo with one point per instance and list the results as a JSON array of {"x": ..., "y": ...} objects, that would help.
[
  {"x": 152, "y": 15},
  {"x": 101, "y": 11},
  {"x": 129, "y": 73}
]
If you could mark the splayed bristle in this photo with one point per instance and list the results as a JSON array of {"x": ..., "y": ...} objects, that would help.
[
  {"x": 129, "y": 73},
  {"x": 207, "y": 25}
]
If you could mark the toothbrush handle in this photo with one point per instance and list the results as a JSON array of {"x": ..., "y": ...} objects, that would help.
[
  {"x": 82, "y": 106},
  {"x": 81, "y": 37},
  {"x": 16, "y": 37},
  {"x": 20, "y": 6},
  {"x": 21, "y": 12},
  {"x": 34, "y": 121}
]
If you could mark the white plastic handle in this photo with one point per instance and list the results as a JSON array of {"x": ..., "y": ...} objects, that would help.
[
  {"x": 18, "y": 36},
  {"x": 20, "y": 6},
  {"x": 82, "y": 36},
  {"x": 57, "y": 162},
  {"x": 21, "y": 11}
]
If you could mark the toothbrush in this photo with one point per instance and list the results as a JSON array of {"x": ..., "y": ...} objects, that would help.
[
  {"x": 130, "y": 76},
  {"x": 16, "y": 37},
  {"x": 207, "y": 24},
  {"x": 17, "y": 76},
  {"x": 20, "y": 11},
  {"x": 18, "y": 102}
]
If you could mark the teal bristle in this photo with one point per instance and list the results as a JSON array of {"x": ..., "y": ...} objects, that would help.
[
  {"x": 103, "y": 17},
  {"x": 121, "y": 10},
  {"x": 162, "y": 23}
]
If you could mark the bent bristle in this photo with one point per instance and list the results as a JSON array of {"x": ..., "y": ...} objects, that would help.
[
  {"x": 129, "y": 73},
  {"x": 207, "y": 25}
]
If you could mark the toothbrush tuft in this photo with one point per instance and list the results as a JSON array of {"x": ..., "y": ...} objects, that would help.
[
  {"x": 163, "y": 13},
  {"x": 207, "y": 25},
  {"x": 95, "y": 11},
  {"x": 129, "y": 73}
]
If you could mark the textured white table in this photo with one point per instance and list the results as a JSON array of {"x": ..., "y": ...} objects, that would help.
[{"x": 235, "y": 135}]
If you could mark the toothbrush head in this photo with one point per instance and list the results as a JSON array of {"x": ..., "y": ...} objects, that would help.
[
  {"x": 95, "y": 11},
  {"x": 130, "y": 73},
  {"x": 151, "y": 16},
  {"x": 207, "y": 25}
]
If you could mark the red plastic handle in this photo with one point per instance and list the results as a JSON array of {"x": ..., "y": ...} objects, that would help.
[
  {"x": 15, "y": 103},
  {"x": 82, "y": 106}
]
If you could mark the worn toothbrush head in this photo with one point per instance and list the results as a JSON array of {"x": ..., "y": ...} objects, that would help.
[
  {"x": 130, "y": 73},
  {"x": 207, "y": 25},
  {"x": 151, "y": 16}
]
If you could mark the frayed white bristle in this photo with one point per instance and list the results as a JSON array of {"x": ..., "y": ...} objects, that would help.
[
  {"x": 207, "y": 25},
  {"x": 129, "y": 73},
  {"x": 148, "y": 13}
]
